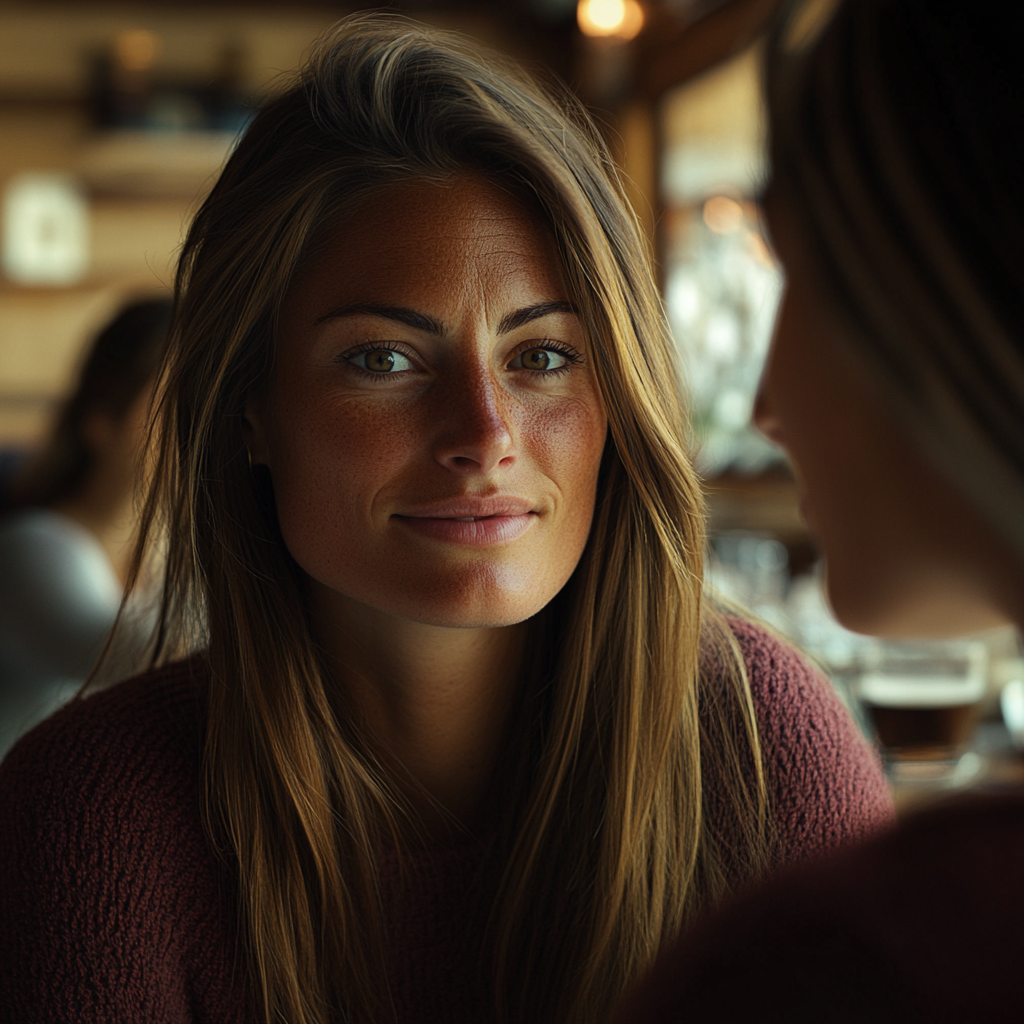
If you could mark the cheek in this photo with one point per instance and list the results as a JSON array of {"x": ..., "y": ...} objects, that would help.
[
  {"x": 330, "y": 461},
  {"x": 567, "y": 443},
  {"x": 819, "y": 417}
]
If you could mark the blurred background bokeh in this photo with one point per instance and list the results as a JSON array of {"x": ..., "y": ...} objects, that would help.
[{"x": 115, "y": 118}]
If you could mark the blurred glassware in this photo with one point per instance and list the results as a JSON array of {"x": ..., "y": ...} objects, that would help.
[
  {"x": 721, "y": 295},
  {"x": 752, "y": 570},
  {"x": 924, "y": 700},
  {"x": 1011, "y": 700},
  {"x": 722, "y": 284},
  {"x": 921, "y": 701}
]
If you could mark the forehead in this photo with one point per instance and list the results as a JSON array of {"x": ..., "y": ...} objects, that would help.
[{"x": 427, "y": 244}]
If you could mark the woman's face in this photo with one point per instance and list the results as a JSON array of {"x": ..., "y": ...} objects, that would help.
[
  {"x": 117, "y": 443},
  {"x": 433, "y": 428},
  {"x": 905, "y": 554}
]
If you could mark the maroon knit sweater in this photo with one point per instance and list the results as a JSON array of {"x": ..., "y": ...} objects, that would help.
[{"x": 114, "y": 909}]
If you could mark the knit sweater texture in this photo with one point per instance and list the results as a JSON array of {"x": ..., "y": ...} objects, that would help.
[{"x": 114, "y": 908}]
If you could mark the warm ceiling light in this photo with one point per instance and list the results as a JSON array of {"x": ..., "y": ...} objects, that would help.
[{"x": 620, "y": 18}]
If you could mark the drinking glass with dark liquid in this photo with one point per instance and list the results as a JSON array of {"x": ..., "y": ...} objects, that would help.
[{"x": 924, "y": 702}]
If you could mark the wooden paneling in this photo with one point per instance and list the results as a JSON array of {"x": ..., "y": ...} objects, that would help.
[
  {"x": 45, "y": 50},
  {"x": 671, "y": 57},
  {"x": 45, "y": 56},
  {"x": 43, "y": 332},
  {"x": 135, "y": 242},
  {"x": 765, "y": 504}
]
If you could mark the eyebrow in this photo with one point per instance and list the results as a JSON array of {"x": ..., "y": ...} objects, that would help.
[
  {"x": 431, "y": 325},
  {"x": 520, "y": 317},
  {"x": 401, "y": 314}
]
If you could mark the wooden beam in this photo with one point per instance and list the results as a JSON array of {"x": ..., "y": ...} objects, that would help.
[{"x": 666, "y": 61}]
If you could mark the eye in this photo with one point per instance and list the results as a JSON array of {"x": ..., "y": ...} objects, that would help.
[
  {"x": 379, "y": 360},
  {"x": 541, "y": 359}
]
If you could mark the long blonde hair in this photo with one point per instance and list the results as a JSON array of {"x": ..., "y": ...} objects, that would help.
[{"x": 627, "y": 719}]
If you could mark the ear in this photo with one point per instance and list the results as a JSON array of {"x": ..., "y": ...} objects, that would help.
[{"x": 255, "y": 434}]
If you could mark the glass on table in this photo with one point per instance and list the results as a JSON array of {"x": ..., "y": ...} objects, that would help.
[{"x": 924, "y": 700}]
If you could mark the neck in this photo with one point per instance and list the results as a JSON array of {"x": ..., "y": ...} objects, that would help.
[{"x": 435, "y": 700}]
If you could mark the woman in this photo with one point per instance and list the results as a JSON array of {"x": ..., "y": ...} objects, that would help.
[
  {"x": 896, "y": 383},
  {"x": 67, "y": 537},
  {"x": 463, "y": 736}
]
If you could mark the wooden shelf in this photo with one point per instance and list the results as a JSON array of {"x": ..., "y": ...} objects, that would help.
[
  {"x": 150, "y": 164},
  {"x": 768, "y": 503}
]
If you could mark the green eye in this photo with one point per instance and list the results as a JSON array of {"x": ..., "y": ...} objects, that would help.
[
  {"x": 540, "y": 359},
  {"x": 381, "y": 360}
]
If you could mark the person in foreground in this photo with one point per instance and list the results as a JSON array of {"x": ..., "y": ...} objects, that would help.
[
  {"x": 896, "y": 383},
  {"x": 69, "y": 523},
  {"x": 457, "y": 739}
]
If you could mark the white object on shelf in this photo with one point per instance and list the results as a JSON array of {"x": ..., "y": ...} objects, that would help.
[{"x": 45, "y": 230}]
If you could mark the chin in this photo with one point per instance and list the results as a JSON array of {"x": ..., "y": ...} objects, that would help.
[
  {"x": 470, "y": 607},
  {"x": 913, "y": 608},
  {"x": 477, "y": 596},
  {"x": 458, "y": 618}
]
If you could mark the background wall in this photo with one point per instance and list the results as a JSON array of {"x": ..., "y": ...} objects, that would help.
[{"x": 140, "y": 186}]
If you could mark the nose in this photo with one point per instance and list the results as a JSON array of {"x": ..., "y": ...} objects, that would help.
[{"x": 476, "y": 434}]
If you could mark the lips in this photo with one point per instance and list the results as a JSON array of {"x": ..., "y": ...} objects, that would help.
[
  {"x": 468, "y": 507},
  {"x": 472, "y": 521}
]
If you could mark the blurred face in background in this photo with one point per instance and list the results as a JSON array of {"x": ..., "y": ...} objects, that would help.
[
  {"x": 117, "y": 442},
  {"x": 433, "y": 429},
  {"x": 905, "y": 554}
]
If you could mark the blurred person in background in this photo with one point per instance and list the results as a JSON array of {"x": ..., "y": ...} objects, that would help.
[
  {"x": 70, "y": 523},
  {"x": 460, "y": 740},
  {"x": 895, "y": 382}
]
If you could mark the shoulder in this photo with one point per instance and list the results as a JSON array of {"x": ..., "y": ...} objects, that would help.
[
  {"x": 113, "y": 905},
  {"x": 790, "y": 694},
  {"x": 51, "y": 564},
  {"x": 155, "y": 713},
  {"x": 826, "y": 780},
  {"x": 36, "y": 534},
  {"x": 116, "y": 748}
]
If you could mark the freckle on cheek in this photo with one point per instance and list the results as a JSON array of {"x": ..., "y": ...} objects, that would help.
[{"x": 574, "y": 437}]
